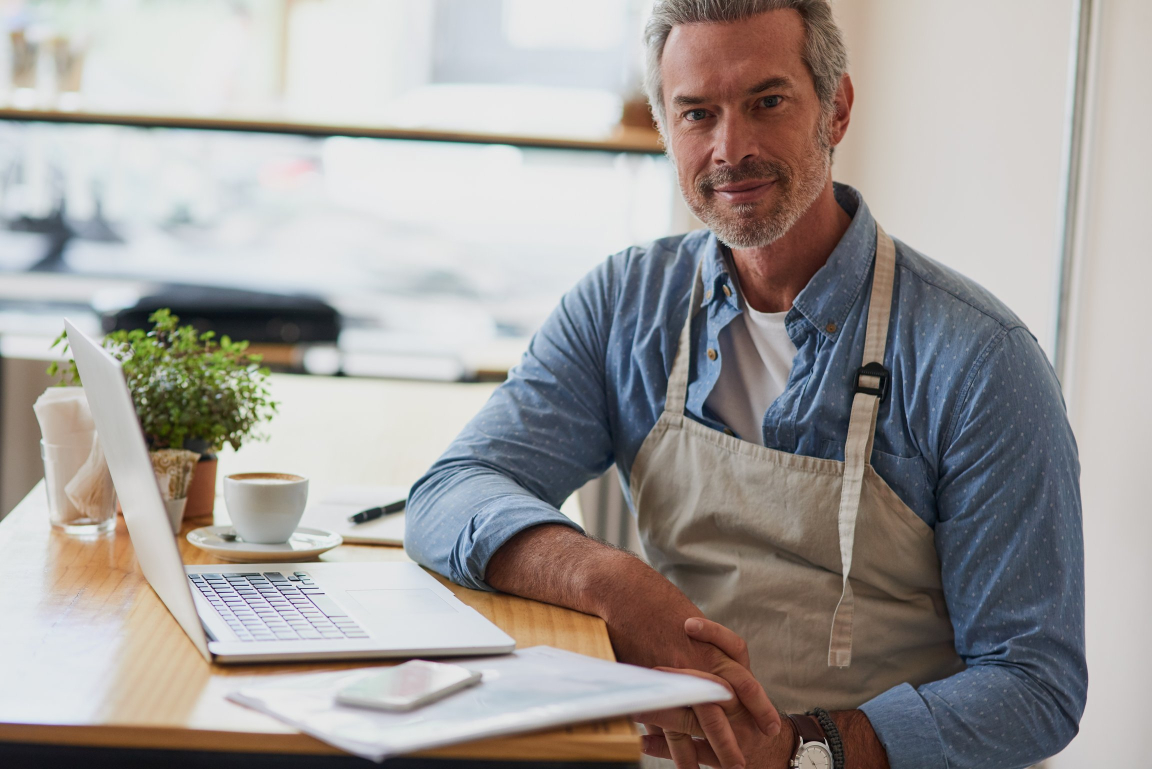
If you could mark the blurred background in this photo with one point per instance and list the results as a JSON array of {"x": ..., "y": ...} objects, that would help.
[{"x": 403, "y": 189}]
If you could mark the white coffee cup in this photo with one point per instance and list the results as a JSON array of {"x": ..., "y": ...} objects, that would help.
[{"x": 265, "y": 507}]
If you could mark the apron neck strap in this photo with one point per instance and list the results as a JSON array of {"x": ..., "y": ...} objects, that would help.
[
  {"x": 880, "y": 303},
  {"x": 870, "y": 388},
  {"x": 678, "y": 380}
]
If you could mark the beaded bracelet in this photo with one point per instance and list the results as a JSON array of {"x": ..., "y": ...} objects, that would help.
[{"x": 835, "y": 744}]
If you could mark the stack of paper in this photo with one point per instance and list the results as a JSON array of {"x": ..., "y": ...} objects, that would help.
[{"x": 527, "y": 690}]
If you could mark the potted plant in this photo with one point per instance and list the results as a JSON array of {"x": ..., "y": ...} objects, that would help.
[{"x": 192, "y": 392}]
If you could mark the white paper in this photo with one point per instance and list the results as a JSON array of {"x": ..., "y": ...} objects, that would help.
[
  {"x": 530, "y": 689},
  {"x": 91, "y": 491},
  {"x": 332, "y": 511},
  {"x": 64, "y": 417}
]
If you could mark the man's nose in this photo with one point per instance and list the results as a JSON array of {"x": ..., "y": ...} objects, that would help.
[{"x": 734, "y": 140}]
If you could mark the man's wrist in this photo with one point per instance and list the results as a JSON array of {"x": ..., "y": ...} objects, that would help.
[
  {"x": 783, "y": 745},
  {"x": 862, "y": 748},
  {"x": 831, "y": 736}
]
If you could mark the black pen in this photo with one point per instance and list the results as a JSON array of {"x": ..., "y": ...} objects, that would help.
[{"x": 373, "y": 513}]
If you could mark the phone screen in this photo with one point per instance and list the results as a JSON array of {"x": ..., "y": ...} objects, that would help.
[{"x": 407, "y": 686}]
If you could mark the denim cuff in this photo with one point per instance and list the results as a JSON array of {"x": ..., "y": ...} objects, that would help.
[
  {"x": 906, "y": 729},
  {"x": 489, "y": 529}
]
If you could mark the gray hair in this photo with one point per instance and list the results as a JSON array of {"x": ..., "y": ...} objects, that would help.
[{"x": 824, "y": 51}]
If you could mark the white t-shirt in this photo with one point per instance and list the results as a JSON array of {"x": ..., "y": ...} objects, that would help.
[{"x": 755, "y": 360}]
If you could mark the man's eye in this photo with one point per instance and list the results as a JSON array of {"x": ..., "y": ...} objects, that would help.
[
  {"x": 695, "y": 114},
  {"x": 771, "y": 101}
]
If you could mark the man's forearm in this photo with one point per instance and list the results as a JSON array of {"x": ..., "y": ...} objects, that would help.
[
  {"x": 557, "y": 565},
  {"x": 645, "y": 613}
]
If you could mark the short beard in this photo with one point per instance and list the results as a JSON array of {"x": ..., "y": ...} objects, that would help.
[{"x": 739, "y": 226}]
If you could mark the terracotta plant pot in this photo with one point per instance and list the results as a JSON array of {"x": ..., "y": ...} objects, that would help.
[{"x": 202, "y": 490}]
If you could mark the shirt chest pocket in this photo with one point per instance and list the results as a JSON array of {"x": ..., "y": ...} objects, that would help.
[{"x": 909, "y": 477}]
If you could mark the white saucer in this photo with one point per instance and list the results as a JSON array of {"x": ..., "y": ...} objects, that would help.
[{"x": 304, "y": 544}]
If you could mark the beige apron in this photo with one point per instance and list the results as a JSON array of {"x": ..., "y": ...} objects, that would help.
[{"x": 832, "y": 581}]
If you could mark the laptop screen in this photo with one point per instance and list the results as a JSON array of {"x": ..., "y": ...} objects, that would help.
[{"x": 122, "y": 439}]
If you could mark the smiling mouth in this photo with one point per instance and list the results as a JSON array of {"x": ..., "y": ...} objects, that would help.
[{"x": 744, "y": 192}]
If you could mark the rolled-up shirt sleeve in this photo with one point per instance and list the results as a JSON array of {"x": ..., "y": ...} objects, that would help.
[
  {"x": 543, "y": 434},
  {"x": 1009, "y": 536}
]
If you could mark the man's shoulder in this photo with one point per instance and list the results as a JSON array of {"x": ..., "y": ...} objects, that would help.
[
  {"x": 673, "y": 252},
  {"x": 949, "y": 337},
  {"x": 936, "y": 293},
  {"x": 655, "y": 276},
  {"x": 639, "y": 289}
]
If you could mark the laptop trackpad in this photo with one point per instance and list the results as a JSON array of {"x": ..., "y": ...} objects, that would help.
[{"x": 393, "y": 602}]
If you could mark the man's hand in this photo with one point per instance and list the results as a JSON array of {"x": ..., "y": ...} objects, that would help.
[
  {"x": 688, "y": 736},
  {"x": 644, "y": 612},
  {"x": 720, "y": 734},
  {"x": 647, "y": 627}
]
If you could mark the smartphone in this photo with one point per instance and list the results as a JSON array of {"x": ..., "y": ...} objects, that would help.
[{"x": 407, "y": 686}]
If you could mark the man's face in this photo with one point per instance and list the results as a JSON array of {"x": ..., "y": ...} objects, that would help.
[{"x": 749, "y": 137}]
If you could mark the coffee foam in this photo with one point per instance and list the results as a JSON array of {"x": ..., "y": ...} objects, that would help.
[{"x": 266, "y": 479}]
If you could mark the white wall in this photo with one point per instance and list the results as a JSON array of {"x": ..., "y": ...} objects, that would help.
[
  {"x": 1111, "y": 397},
  {"x": 956, "y": 135}
]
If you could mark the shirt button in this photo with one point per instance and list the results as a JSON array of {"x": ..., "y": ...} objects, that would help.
[
  {"x": 727, "y": 291},
  {"x": 711, "y": 354},
  {"x": 830, "y": 328},
  {"x": 708, "y": 296},
  {"x": 728, "y": 432}
]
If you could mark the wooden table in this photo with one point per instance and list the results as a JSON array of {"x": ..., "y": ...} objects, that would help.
[{"x": 90, "y": 657}]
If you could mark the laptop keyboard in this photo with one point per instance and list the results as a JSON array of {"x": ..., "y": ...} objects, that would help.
[{"x": 276, "y": 607}]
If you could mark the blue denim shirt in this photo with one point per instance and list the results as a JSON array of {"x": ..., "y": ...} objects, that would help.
[{"x": 973, "y": 437}]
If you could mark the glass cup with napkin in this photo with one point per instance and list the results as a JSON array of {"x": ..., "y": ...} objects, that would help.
[{"x": 81, "y": 498}]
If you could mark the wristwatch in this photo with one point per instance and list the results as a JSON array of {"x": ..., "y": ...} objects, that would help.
[{"x": 812, "y": 751}]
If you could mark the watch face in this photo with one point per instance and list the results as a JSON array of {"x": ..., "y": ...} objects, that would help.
[{"x": 815, "y": 756}]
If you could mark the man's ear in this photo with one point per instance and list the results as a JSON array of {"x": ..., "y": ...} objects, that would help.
[{"x": 842, "y": 109}]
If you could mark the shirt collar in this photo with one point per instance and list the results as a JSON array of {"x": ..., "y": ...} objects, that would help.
[
  {"x": 716, "y": 274},
  {"x": 831, "y": 292}
]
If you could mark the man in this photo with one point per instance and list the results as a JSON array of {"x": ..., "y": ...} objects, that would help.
[{"x": 792, "y": 399}]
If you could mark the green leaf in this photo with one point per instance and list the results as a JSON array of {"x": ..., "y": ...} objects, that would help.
[{"x": 185, "y": 386}]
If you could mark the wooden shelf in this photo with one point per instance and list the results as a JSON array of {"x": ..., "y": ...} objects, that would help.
[{"x": 622, "y": 139}]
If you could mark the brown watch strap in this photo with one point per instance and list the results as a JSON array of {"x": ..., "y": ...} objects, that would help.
[{"x": 808, "y": 728}]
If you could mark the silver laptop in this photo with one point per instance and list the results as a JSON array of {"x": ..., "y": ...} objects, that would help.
[{"x": 270, "y": 611}]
